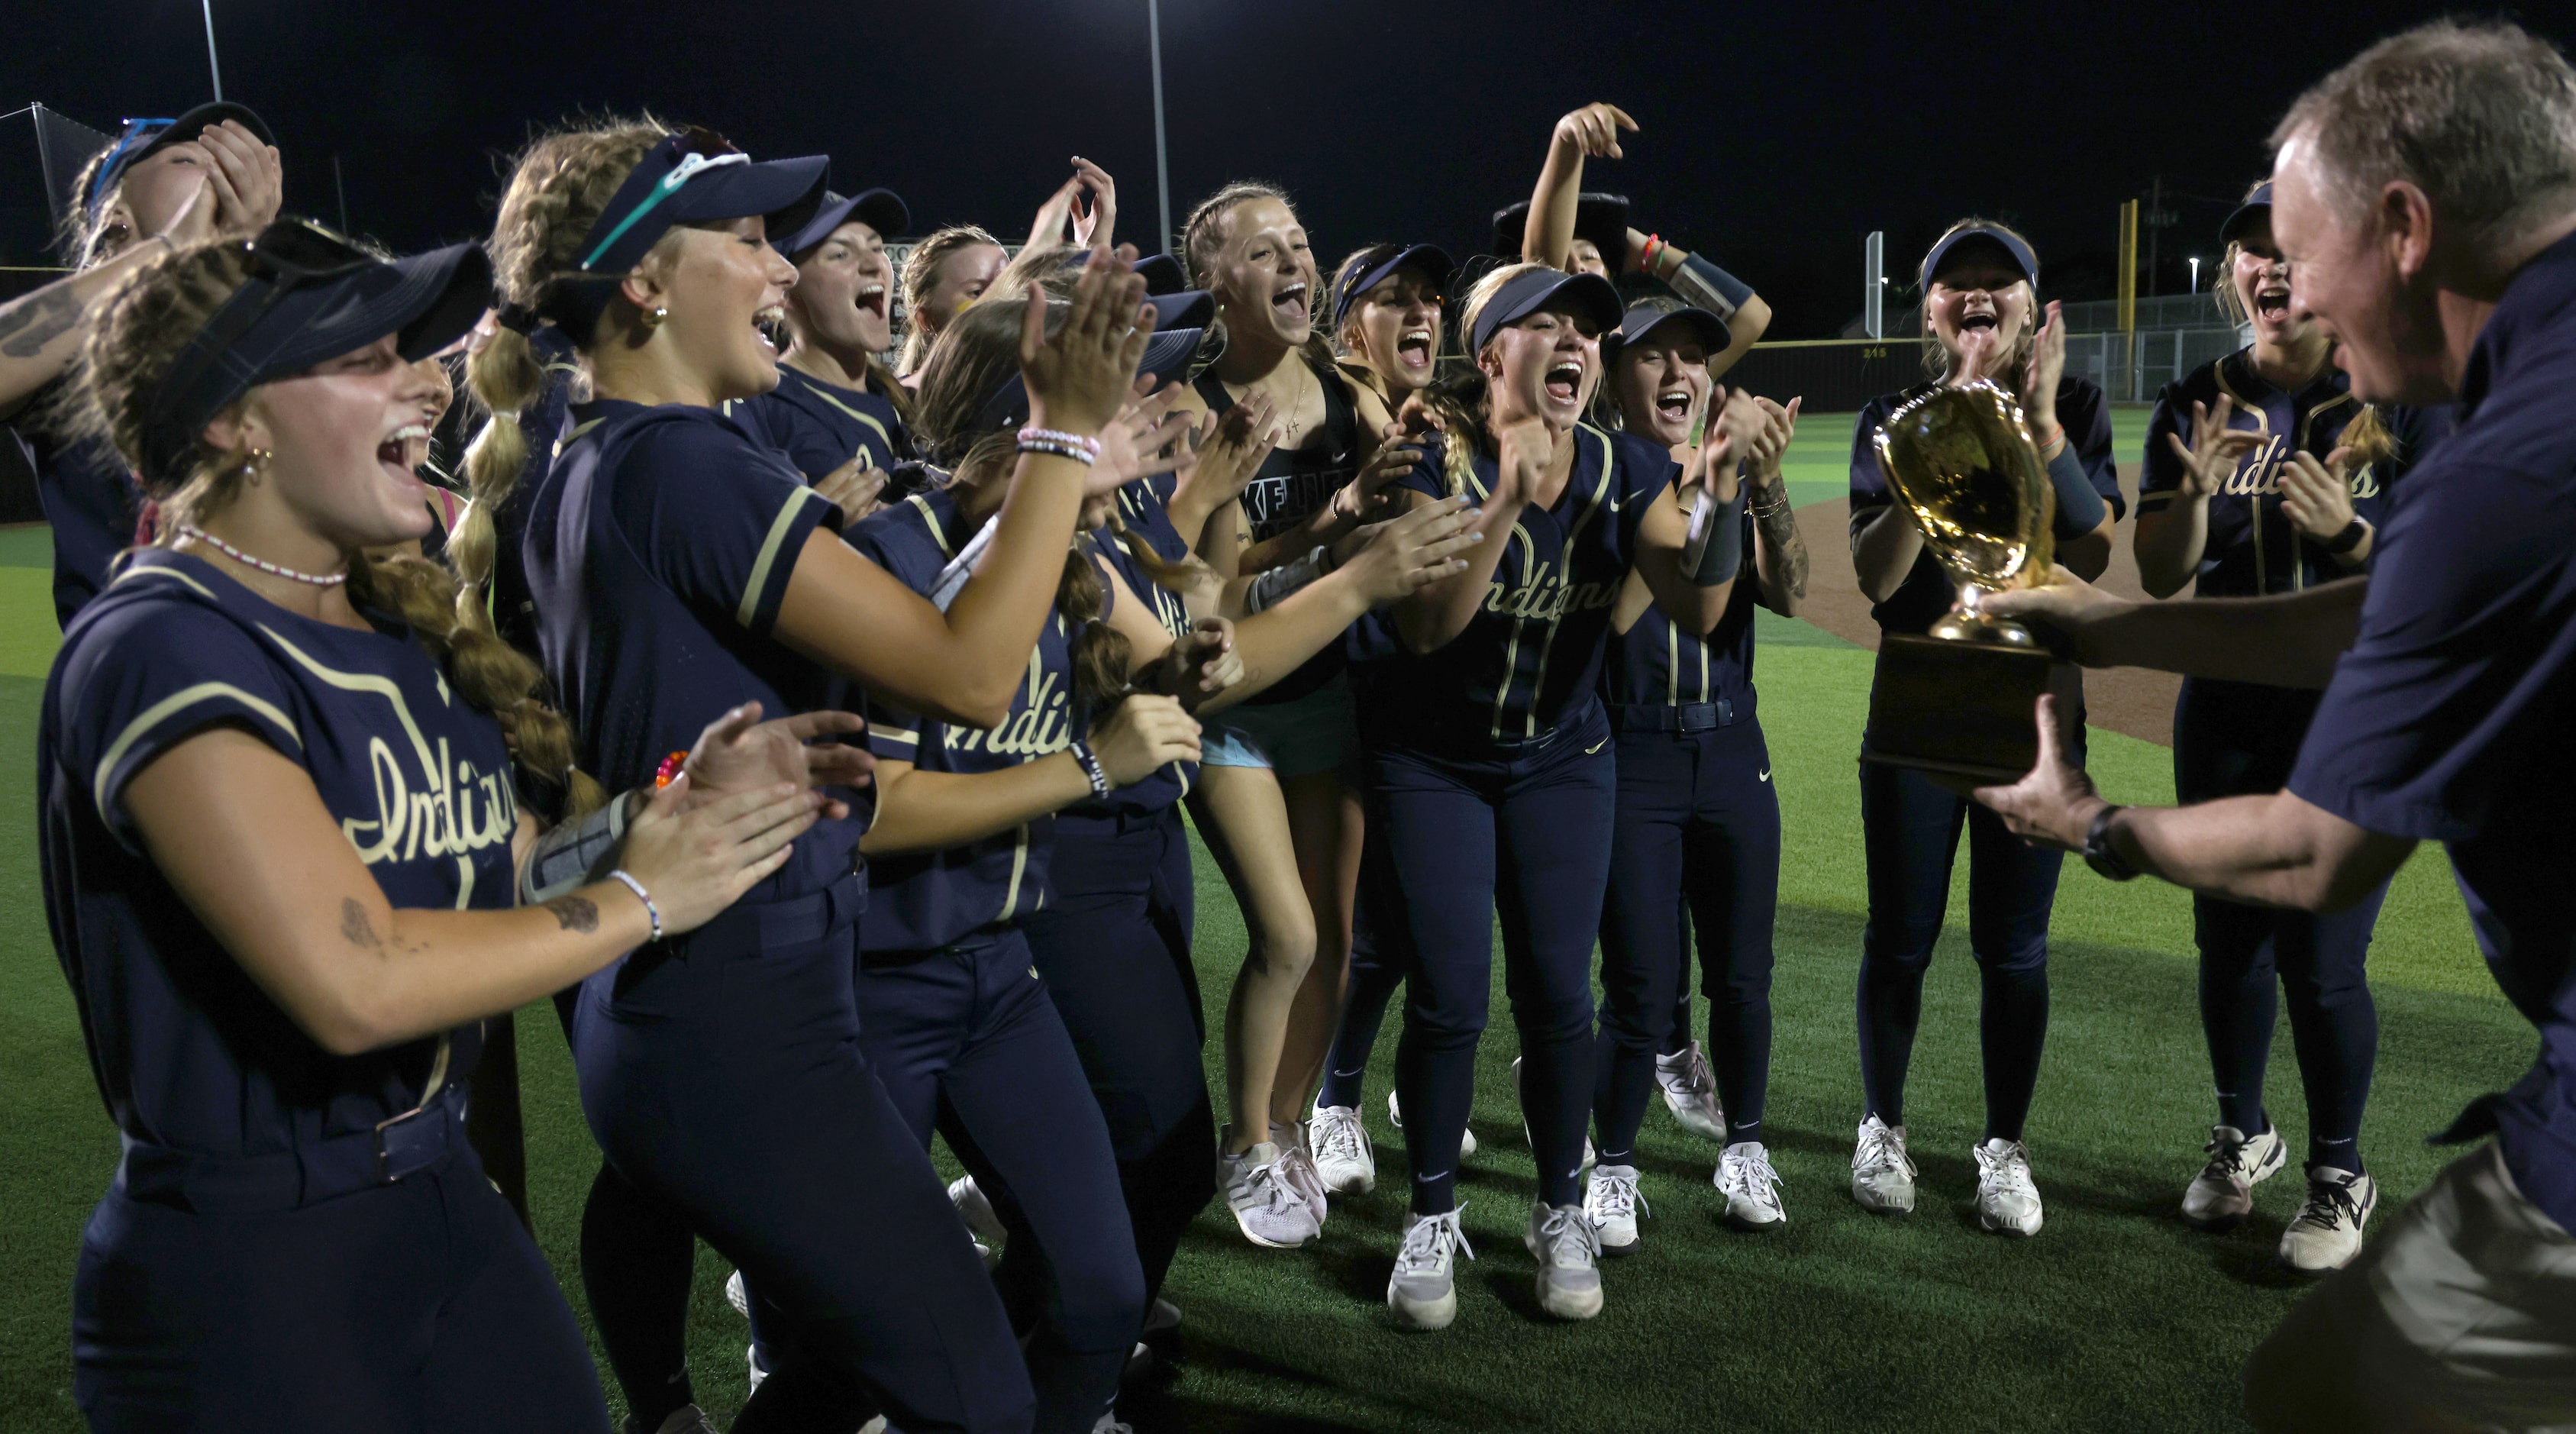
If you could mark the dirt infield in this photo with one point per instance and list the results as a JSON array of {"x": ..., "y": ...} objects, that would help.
[{"x": 2123, "y": 699}]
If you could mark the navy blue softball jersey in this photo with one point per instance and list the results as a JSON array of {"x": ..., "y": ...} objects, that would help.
[
  {"x": 88, "y": 496},
  {"x": 1140, "y": 507},
  {"x": 657, "y": 553},
  {"x": 820, "y": 426},
  {"x": 2253, "y": 548},
  {"x": 188, "y": 1051},
  {"x": 2447, "y": 720},
  {"x": 922, "y": 900},
  {"x": 1533, "y": 651},
  {"x": 1926, "y": 593},
  {"x": 1656, "y": 664}
]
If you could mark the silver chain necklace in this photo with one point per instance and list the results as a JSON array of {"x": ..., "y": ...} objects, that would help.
[{"x": 319, "y": 580}]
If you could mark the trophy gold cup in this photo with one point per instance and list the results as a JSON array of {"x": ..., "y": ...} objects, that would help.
[{"x": 1959, "y": 701}]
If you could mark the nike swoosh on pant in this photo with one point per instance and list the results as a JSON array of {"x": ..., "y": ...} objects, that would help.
[
  {"x": 1766, "y": 774},
  {"x": 1597, "y": 746}
]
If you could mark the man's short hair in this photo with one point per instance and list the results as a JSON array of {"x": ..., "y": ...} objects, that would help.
[{"x": 2481, "y": 117}]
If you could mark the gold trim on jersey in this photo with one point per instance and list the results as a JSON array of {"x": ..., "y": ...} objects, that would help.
[
  {"x": 153, "y": 715},
  {"x": 778, "y": 528}
]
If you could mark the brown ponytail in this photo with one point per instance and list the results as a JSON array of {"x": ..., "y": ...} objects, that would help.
[
  {"x": 2369, "y": 436},
  {"x": 142, "y": 325},
  {"x": 558, "y": 186}
]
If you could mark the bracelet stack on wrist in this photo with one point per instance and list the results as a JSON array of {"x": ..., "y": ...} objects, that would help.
[
  {"x": 650, "y": 910},
  {"x": 1060, "y": 444},
  {"x": 1089, "y": 761}
]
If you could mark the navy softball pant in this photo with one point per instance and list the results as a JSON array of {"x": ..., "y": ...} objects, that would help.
[
  {"x": 2237, "y": 739},
  {"x": 1377, "y": 968},
  {"x": 723, "y": 1075},
  {"x": 1112, "y": 946},
  {"x": 1522, "y": 831},
  {"x": 966, "y": 1040},
  {"x": 238, "y": 1294},
  {"x": 1910, "y": 832},
  {"x": 1699, "y": 835}
]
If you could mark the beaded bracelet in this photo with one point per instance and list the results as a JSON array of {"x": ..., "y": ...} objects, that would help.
[
  {"x": 669, "y": 771},
  {"x": 1035, "y": 434},
  {"x": 1646, "y": 260},
  {"x": 1091, "y": 768},
  {"x": 1054, "y": 449},
  {"x": 650, "y": 910}
]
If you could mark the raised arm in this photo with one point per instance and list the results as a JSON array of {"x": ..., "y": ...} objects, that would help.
[
  {"x": 1693, "y": 584},
  {"x": 1594, "y": 129},
  {"x": 2178, "y": 481},
  {"x": 963, "y": 665},
  {"x": 42, "y": 329}
]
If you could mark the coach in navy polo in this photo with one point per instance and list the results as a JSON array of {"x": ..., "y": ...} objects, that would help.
[{"x": 2426, "y": 196}]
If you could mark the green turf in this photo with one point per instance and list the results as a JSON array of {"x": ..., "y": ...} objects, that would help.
[{"x": 2116, "y": 1317}]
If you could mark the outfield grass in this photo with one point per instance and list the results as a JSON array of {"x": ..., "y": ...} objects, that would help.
[{"x": 2116, "y": 1317}]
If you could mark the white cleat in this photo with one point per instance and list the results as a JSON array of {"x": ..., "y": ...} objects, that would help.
[
  {"x": 1267, "y": 1207},
  {"x": 751, "y": 1357},
  {"x": 687, "y": 1419},
  {"x": 1612, "y": 1203},
  {"x": 1297, "y": 1167},
  {"x": 1109, "y": 1424},
  {"x": 981, "y": 1221},
  {"x": 2222, "y": 1194},
  {"x": 2007, "y": 1198},
  {"x": 1745, "y": 1177},
  {"x": 1690, "y": 1092},
  {"x": 738, "y": 1295},
  {"x": 1590, "y": 1157},
  {"x": 1395, "y": 1117},
  {"x": 2326, "y": 1233},
  {"x": 1882, "y": 1174},
  {"x": 1345, "y": 1157},
  {"x": 1423, "y": 1291},
  {"x": 1568, "y": 1251}
]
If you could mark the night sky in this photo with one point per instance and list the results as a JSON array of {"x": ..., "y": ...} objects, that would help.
[{"x": 1775, "y": 137}]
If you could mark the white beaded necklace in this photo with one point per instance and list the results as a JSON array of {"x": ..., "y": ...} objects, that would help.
[{"x": 319, "y": 580}]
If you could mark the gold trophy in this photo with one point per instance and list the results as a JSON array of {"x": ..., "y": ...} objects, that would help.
[{"x": 1959, "y": 701}]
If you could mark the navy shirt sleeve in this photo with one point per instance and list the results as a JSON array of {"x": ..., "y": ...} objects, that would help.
[
  {"x": 2160, "y": 471},
  {"x": 2451, "y": 704},
  {"x": 2086, "y": 416},
  {"x": 1869, "y": 489},
  {"x": 148, "y": 678},
  {"x": 718, "y": 519}
]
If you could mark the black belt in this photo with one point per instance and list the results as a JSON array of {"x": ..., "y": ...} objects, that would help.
[
  {"x": 213, "y": 1184},
  {"x": 1675, "y": 717},
  {"x": 976, "y": 940}
]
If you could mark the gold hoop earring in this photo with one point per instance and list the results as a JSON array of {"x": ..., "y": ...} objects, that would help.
[{"x": 654, "y": 316}]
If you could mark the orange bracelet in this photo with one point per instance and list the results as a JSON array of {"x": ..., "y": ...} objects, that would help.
[{"x": 669, "y": 771}]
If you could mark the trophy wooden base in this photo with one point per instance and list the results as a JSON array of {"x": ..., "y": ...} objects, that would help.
[{"x": 1962, "y": 709}]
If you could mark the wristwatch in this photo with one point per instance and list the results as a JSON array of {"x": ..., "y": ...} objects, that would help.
[
  {"x": 2349, "y": 539},
  {"x": 2098, "y": 853}
]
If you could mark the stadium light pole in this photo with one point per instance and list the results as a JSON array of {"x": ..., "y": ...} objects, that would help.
[
  {"x": 213, "y": 67},
  {"x": 2195, "y": 273},
  {"x": 1162, "y": 160}
]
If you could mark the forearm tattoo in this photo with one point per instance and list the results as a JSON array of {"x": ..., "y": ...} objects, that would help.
[
  {"x": 28, "y": 325},
  {"x": 1777, "y": 524},
  {"x": 575, "y": 913},
  {"x": 355, "y": 928}
]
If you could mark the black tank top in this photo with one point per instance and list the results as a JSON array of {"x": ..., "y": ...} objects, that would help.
[{"x": 1289, "y": 487}]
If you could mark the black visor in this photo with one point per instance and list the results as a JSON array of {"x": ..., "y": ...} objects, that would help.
[{"x": 312, "y": 295}]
